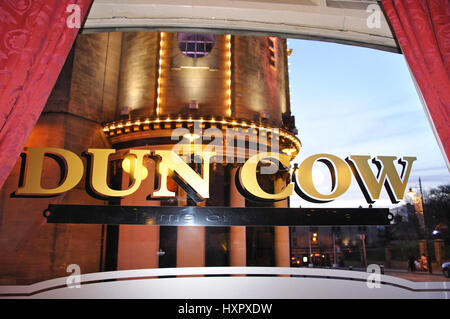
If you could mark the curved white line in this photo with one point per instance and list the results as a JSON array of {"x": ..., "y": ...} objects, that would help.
[{"x": 28, "y": 290}]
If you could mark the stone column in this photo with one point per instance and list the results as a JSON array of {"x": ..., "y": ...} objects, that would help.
[
  {"x": 139, "y": 245},
  {"x": 238, "y": 245},
  {"x": 282, "y": 249},
  {"x": 423, "y": 249},
  {"x": 190, "y": 240}
]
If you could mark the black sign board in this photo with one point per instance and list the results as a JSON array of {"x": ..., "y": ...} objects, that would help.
[{"x": 215, "y": 216}]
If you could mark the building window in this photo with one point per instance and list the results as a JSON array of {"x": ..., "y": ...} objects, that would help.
[
  {"x": 195, "y": 45},
  {"x": 271, "y": 51}
]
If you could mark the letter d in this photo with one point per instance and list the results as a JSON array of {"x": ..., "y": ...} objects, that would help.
[{"x": 71, "y": 168}]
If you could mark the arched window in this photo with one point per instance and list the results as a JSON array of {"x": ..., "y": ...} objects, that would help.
[{"x": 195, "y": 45}]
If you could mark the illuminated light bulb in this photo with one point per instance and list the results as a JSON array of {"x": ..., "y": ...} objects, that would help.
[
  {"x": 191, "y": 136},
  {"x": 288, "y": 151},
  {"x": 126, "y": 164},
  {"x": 129, "y": 165}
]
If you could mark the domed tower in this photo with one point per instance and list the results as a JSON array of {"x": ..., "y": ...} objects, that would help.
[
  {"x": 175, "y": 87},
  {"x": 168, "y": 79}
]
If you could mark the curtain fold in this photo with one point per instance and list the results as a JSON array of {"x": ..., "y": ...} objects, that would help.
[
  {"x": 422, "y": 28},
  {"x": 36, "y": 37}
]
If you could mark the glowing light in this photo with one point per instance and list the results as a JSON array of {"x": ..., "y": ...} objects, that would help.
[
  {"x": 158, "y": 90},
  {"x": 110, "y": 129},
  {"x": 191, "y": 136},
  {"x": 129, "y": 165},
  {"x": 228, "y": 81}
]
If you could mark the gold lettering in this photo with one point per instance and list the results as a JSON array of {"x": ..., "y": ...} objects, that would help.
[
  {"x": 71, "y": 168},
  {"x": 196, "y": 186},
  {"x": 196, "y": 181},
  {"x": 387, "y": 174},
  {"x": 99, "y": 172},
  {"x": 341, "y": 178},
  {"x": 248, "y": 179}
]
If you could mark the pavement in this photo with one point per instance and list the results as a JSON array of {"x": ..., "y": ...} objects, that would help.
[{"x": 417, "y": 276}]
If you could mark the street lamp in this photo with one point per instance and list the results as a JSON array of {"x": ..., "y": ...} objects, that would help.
[{"x": 418, "y": 204}]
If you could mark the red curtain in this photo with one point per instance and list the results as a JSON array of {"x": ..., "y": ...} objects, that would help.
[
  {"x": 36, "y": 36},
  {"x": 422, "y": 28}
]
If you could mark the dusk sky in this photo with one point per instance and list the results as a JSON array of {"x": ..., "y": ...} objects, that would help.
[{"x": 350, "y": 100}]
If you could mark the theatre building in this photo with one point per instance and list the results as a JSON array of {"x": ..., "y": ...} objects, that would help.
[{"x": 137, "y": 90}]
